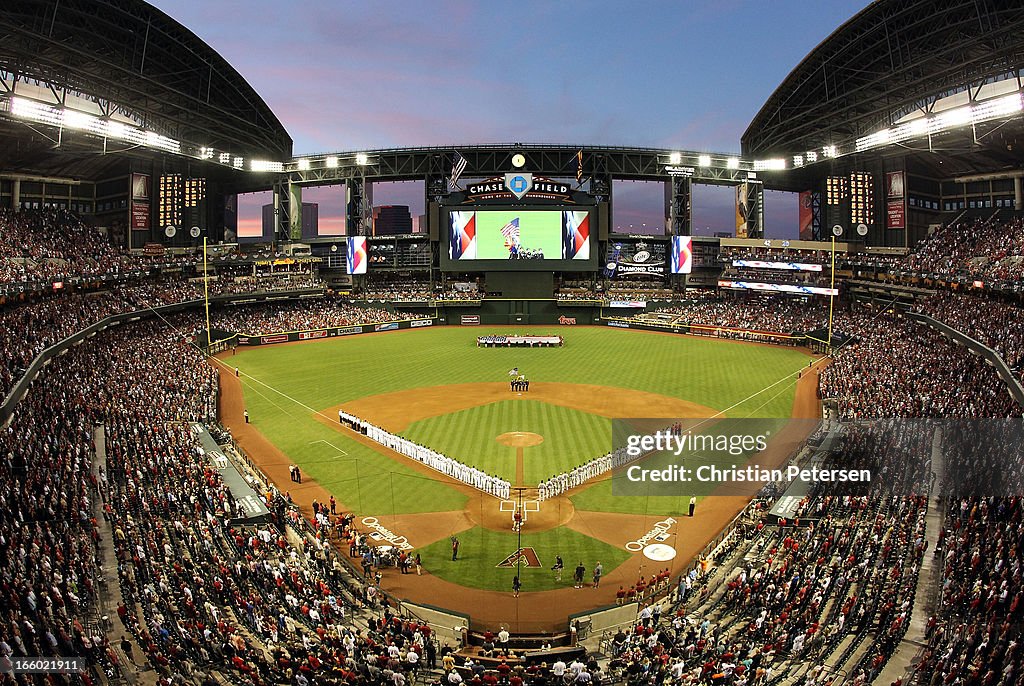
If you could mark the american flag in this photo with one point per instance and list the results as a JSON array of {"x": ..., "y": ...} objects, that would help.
[
  {"x": 458, "y": 166},
  {"x": 511, "y": 231}
]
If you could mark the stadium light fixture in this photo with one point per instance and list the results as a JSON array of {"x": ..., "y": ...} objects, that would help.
[
  {"x": 123, "y": 132},
  {"x": 303, "y": 164},
  {"x": 155, "y": 140},
  {"x": 224, "y": 158},
  {"x": 265, "y": 165},
  {"x": 361, "y": 159},
  {"x": 732, "y": 163},
  {"x": 798, "y": 160},
  {"x": 36, "y": 111},
  {"x": 331, "y": 162},
  {"x": 995, "y": 108},
  {"x": 675, "y": 158},
  {"x": 206, "y": 153},
  {"x": 769, "y": 165},
  {"x": 704, "y": 160},
  {"x": 80, "y": 121},
  {"x": 828, "y": 151},
  {"x": 237, "y": 163},
  {"x": 812, "y": 157}
]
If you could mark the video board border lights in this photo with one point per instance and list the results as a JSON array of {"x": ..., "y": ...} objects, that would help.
[{"x": 703, "y": 160}]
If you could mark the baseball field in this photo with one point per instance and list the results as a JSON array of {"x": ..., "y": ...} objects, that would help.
[{"x": 436, "y": 387}]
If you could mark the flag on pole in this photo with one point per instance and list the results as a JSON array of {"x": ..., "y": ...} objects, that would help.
[
  {"x": 579, "y": 168},
  {"x": 458, "y": 166}
]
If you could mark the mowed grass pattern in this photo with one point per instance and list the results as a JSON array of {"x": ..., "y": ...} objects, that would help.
[
  {"x": 285, "y": 384},
  {"x": 481, "y": 550},
  {"x": 571, "y": 437}
]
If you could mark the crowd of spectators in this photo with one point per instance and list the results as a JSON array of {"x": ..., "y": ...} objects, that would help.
[
  {"x": 203, "y": 591},
  {"x": 320, "y": 313},
  {"x": 418, "y": 291},
  {"x": 989, "y": 250},
  {"x": 898, "y": 368},
  {"x": 998, "y": 325},
  {"x": 790, "y": 595},
  {"x": 264, "y": 283},
  {"x": 53, "y": 245},
  {"x": 771, "y": 313},
  {"x": 28, "y": 328}
]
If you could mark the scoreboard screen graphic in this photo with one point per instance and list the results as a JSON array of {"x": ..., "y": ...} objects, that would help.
[{"x": 521, "y": 239}]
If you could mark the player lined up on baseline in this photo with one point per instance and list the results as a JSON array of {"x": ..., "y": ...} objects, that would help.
[
  {"x": 492, "y": 485},
  {"x": 560, "y": 483}
]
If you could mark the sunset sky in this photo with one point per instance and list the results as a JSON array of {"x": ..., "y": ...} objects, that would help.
[{"x": 686, "y": 74}]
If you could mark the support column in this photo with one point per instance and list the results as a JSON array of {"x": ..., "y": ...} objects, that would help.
[
  {"x": 16, "y": 195},
  {"x": 677, "y": 190},
  {"x": 282, "y": 210},
  {"x": 295, "y": 204},
  {"x": 1018, "y": 194},
  {"x": 359, "y": 206}
]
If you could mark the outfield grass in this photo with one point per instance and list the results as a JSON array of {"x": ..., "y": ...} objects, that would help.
[
  {"x": 482, "y": 550},
  {"x": 288, "y": 383},
  {"x": 571, "y": 437}
]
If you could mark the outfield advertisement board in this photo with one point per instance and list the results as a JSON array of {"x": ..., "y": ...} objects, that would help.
[
  {"x": 291, "y": 336},
  {"x": 470, "y": 320}
]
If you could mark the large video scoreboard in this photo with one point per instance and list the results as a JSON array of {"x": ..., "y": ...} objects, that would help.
[{"x": 542, "y": 238}]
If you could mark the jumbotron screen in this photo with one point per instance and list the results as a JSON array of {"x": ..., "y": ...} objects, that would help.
[{"x": 519, "y": 238}]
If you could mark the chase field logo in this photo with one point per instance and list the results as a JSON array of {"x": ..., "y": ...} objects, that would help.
[
  {"x": 528, "y": 556},
  {"x": 519, "y": 183}
]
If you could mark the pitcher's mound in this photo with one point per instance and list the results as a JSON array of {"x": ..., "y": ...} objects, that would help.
[{"x": 519, "y": 439}]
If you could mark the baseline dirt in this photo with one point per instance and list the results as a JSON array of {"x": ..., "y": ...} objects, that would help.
[{"x": 532, "y": 612}]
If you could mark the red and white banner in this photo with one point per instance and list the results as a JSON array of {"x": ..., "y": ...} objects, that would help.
[
  {"x": 896, "y": 214},
  {"x": 140, "y": 216},
  {"x": 310, "y": 335}
]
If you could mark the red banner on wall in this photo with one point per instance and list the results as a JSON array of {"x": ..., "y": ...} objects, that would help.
[
  {"x": 896, "y": 214},
  {"x": 140, "y": 216}
]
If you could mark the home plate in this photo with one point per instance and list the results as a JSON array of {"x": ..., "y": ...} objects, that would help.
[{"x": 659, "y": 552}]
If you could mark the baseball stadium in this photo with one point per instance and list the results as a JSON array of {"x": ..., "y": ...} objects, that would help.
[{"x": 264, "y": 424}]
